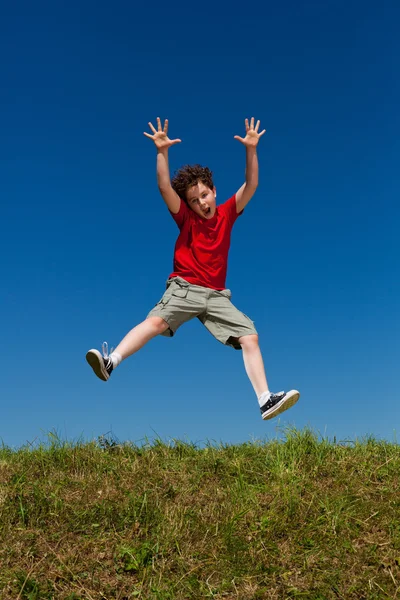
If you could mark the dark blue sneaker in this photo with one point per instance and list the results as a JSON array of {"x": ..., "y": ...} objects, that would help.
[
  {"x": 101, "y": 364},
  {"x": 277, "y": 403}
]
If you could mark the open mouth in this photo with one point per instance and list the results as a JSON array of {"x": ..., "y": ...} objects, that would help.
[{"x": 207, "y": 211}]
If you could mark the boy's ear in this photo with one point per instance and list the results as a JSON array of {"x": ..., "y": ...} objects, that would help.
[{"x": 215, "y": 191}]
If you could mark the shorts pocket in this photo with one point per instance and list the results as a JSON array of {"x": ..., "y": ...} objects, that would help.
[
  {"x": 180, "y": 292},
  {"x": 225, "y": 293},
  {"x": 247, "y": 317},
  {"x": 164, "y": 300}
]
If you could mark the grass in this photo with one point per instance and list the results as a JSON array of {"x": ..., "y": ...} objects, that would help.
[{"x": 300, "y": 517}]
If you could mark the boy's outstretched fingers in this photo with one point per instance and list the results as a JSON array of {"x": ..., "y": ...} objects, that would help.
[
  {"x": 159, "y": 128},
  {"x": 165, "y": 125},
  {"x": 160, "y": 135},
  {"x": 252, "y": 133}
]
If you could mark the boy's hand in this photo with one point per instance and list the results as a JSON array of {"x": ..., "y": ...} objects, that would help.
[
  {"x": 252, "y": 135},
  {"x": 160, "y": 137}
]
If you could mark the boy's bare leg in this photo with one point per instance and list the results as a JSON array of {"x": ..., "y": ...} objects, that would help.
[
  {"x": 253, "y": 363},
  {"x": 140, "y": 335},
  {"x": 103, "y": 365},
  {"x": 271, "y": 405}
]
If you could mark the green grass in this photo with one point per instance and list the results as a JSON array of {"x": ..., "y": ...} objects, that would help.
[{"x": 299, "y": 517}]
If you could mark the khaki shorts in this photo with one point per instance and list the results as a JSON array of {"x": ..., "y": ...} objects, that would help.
[{"x": 183, "y": 301}]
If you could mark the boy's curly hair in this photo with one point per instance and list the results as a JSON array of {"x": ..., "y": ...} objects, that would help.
[{"x": 190, "y": 175}]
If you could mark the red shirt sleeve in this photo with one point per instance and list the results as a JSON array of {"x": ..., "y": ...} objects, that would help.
[
  {"x": 182, "y": 214},
  {"x": 229, "y": 207}
]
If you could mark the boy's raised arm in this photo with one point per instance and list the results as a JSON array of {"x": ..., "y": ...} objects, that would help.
[
  {"x": 163, "y": 143},
  {"x": 246, "y": 192}
]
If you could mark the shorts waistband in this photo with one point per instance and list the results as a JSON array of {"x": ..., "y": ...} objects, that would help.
[{"x": 209, "y": 291}]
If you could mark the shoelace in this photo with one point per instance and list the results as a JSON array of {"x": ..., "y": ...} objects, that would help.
[{"x": 104, "y": 348}]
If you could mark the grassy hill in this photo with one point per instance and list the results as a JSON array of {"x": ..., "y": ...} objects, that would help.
[{"x": 301, "y": 517}]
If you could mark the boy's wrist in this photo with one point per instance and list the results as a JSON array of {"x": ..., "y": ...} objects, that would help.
[{"x": 251, "y": 149}]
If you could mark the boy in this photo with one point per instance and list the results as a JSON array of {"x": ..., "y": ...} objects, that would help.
[{"x": 196, "y": 287}]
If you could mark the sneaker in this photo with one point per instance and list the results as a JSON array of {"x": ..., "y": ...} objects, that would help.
[
  {"x": 277, "y": 403},
  {"x": 101, "y": 364}
]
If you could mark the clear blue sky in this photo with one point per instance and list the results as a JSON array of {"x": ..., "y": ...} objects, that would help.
[{"x": 87, "y": 242}]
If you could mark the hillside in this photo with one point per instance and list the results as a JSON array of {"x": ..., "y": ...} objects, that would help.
[{"x": 300, "y": 517}]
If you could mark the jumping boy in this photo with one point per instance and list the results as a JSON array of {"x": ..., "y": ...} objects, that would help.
[{"x": 196, "y": 287}]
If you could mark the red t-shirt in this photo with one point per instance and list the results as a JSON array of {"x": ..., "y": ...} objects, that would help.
[{"x": 201, "y": 250}]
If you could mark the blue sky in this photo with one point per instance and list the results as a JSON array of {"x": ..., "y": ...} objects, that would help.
[{"x": 88, "y": 243}]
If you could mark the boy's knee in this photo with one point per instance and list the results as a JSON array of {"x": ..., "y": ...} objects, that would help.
[
  {"x": 158, "y": 324},
  {"x": 248, "y": 341}
]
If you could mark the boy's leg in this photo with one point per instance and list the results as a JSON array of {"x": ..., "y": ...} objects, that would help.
[
  {"x": 175, "y": 308},
  {"x": 140, "y": 335},
  {"x": 132, "y": 342},
  {"x": 233, "y": 328},
  {"x": 271, "y": 405},
  {"x": 253, "y": 363}
]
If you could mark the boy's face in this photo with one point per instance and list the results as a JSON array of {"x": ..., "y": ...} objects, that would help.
[{"x": 202, "y": 200}]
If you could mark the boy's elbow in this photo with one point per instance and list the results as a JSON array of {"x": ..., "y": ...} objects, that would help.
[
  {"x": 164, "y": 188},
  {"x": 253, "y": 185}
]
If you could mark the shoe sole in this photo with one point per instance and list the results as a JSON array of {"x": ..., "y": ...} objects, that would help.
[
  {"x": 95, "y": 360},
  {"x": 287, "y": 402}
]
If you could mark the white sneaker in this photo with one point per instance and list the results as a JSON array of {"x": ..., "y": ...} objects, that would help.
[
  {"x": 277, "y": 403},
  {"x": 102, "y": 365}
]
